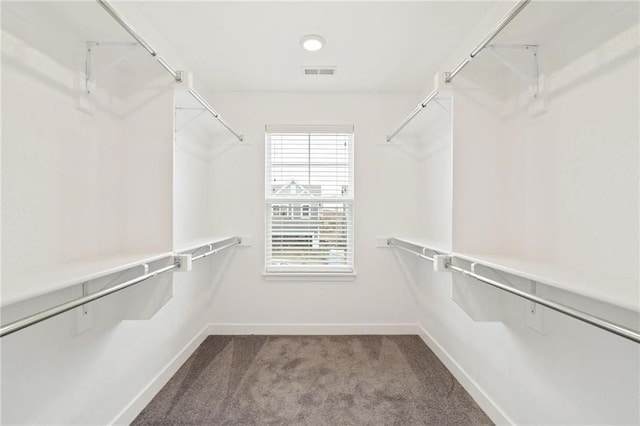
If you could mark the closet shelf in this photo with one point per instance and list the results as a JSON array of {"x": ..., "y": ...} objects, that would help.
[
  {"x": 616, "y": 290},
  {"x": 196, "y": 243},
  {"x": 424, "y": 242},
  {"x": 560, "y": 34},
  {"x": 20, "y": 287}
]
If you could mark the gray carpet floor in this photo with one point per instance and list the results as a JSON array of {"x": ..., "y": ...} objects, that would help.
[{"x": 312, "y": 380}]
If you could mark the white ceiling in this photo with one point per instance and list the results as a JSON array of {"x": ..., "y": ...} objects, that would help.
[{"x": 376, "y": 46}]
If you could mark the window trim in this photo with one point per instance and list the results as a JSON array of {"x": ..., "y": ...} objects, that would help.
[
  {"x": 310, "y": 276},
  {"x": 298, "y": 272}
]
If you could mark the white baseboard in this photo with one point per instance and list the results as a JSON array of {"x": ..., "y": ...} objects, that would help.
[
  {"x": 312, "y": 329},
  {"x": 495, "y": 413},
  {"x": 130, "y": 412}
]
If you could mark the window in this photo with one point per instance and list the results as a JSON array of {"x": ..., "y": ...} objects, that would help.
[{"x": 309, "y": 199}]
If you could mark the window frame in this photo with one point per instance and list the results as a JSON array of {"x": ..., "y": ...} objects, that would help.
[{"x": 310, "y": 272}]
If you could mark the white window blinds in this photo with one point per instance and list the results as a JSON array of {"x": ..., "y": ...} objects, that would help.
[{"x": 309, "y": 199}]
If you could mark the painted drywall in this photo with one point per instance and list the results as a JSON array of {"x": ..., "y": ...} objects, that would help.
[
  {"x": 574, "y": 374},
  {"x": 46, "y": 153},
  {"x": 86, "y": 176},
  {"x": 561, "y": 186},
  {"x": 236, "y": 173},
  {"x": 386, "y": 181},
  {"x": 192, "y": 209},
  {"x": 106, "y": 368}
]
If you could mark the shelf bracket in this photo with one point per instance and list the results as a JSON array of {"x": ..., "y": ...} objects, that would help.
[
  {"x": 90, "y": 72},
  {"x": 532, "y": 305},
  {"x": 84, "y": 315},
  {"x": 190, "y": 120},
  {"x": 85, "y": 292},
  {"x": 535, "y": 316},
  {"x": 529, "y": 74}
]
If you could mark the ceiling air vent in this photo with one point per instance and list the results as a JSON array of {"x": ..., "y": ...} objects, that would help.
[{"x": 319, "y": 70}]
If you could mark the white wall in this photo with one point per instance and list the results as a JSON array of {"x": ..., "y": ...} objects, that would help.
[
  {"x": 192, "y": 210},
  {"x": 386, "y": 180},
  {"x": 46, "y": 152},
  {"x": 86, "y": 177},
  {"x": 574, "y": 374},
  {"x": 561, "y": 187},
  {"x": 52, "y": 375}
]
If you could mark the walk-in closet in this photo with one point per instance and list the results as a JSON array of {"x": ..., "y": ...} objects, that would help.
[{"x": 320, "y": 212}]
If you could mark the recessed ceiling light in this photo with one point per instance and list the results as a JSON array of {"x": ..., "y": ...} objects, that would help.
[{"x": 312, "y": 42}]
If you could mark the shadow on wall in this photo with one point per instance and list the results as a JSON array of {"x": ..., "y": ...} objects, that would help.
[{"x": 411, "y": 272}]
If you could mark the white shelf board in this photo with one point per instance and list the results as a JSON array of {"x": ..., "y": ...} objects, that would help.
[
  {"x": 190, "y": 245},
  {"x": 565, "y": 30},
  {"x": 616, "y": 290},
  {"x": 423, "y": 242},
  {"x": 31, "y": 284}
]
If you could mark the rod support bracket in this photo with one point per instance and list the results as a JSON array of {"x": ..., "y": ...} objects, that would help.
[
  {"x": 184, "y": 262},
  {"x": 441, "y": 263}
]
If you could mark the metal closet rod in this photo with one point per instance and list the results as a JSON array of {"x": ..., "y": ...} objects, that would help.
[
  {"x": 451, "y": 75},
  {"x": 215, "y": 114},
  {"x": 488, "y": 38},
  {"x": 211, "y": 251},
  {"x": 177, "y": 75},
  {"x": 22, "y": 323},
  {"x": 620, "y": 330},
  {"x": 415, "y": 112}
]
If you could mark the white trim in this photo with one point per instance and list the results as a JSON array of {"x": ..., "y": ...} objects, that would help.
[
  {"x": 135, "y": 407},
  {"x": 309, "y": 276},
  {"x": 311, "y": 329},
  {"x": 306, "y": 128},
  {"x": 278, "y": 223},
  {"x": 488, "y": 405}
]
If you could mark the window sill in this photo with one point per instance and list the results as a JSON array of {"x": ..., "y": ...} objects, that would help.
[{"x": 309, "y": 276}]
